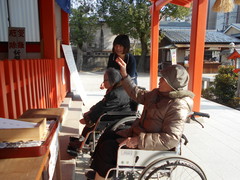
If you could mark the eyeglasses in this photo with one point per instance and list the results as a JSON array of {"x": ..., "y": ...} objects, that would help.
[{"x": 105, "y": 80}]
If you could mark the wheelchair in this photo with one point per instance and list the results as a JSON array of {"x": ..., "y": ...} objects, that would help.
[
  {"x": 152, "y": 164},
  {"x": 107, "y": 121}
]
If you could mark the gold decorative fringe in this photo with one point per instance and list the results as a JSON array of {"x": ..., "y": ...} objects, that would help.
[
  {"x": 223, "y": 6},
  {"x": 237, "y": 2}
]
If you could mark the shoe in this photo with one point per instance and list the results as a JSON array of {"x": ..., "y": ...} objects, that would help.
[
  {"x": 75, "y": 144},
  {"x": 81, "y": 138},
  {"x": 71, "y": 138},
  {"x": 72, "y": 151},
  {"x": 90, "y": 175}
]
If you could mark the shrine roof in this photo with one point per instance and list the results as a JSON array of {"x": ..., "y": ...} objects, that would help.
[{"x": 183, "y": 36}]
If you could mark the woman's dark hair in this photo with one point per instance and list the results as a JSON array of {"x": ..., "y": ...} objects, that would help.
[{"x": 123, "y": 40}]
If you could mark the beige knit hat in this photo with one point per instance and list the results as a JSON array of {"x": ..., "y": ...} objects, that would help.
[{"x": 176, "y": 76}]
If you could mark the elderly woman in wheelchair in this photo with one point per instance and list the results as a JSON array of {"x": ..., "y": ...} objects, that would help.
[
  {"x": 160, "y": 126},
  {"x": 115, "y": 99}
]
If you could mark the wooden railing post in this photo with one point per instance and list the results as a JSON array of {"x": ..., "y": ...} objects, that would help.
[
  {"x": 8, "y": 66},
  {"x": 17, "y": 87},
  {"x": 30, "y": 84},
  {"x": 25, "y": 95},
  {"x": 3, "y": 93}
]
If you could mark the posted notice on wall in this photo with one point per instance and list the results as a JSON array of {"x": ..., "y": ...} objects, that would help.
[
  {"x": 75, "y": 80},
  {"x": 16, "y": 43}
]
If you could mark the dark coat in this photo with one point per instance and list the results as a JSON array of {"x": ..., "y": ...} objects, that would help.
[{"x": 115, "y": 100}]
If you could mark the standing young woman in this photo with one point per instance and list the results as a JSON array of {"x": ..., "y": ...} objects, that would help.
[{"x": 121, "y": 47}]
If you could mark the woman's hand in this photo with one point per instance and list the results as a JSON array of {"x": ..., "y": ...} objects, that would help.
[
  {"x": 123, "y": 66},
  {"x": 130, "y": 142},
  {"x": 82, "y": 121}
]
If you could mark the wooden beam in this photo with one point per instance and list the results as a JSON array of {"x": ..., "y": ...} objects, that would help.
[{"x": 160, "y": 3}]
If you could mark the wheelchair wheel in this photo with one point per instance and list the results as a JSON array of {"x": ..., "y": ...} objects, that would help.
[
  {"x": 173, "y": 168},
  {"x": 124, "y": 123}
]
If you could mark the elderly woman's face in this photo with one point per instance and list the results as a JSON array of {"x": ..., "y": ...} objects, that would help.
[
  {"x": 163, "y": 85},
  {"x": 106, "y": 81}
]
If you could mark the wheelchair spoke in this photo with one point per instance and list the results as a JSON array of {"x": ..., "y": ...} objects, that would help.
[{"x": 173, "y": 169}]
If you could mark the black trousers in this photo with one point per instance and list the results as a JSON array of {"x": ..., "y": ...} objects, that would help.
[{"x": 105, "y": 154}]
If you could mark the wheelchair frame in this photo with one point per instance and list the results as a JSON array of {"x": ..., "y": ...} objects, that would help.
[
  {"x": 96, "y": 133},
  {"x": 148, "y": 164}
]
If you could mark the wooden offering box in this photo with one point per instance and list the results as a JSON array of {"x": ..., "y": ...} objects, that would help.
[
  {"x": 23, "y": 134},
  {"x": 34, "y": 151}
]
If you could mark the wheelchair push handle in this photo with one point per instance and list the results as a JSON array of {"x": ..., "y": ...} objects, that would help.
[
  {"x": 194, "y": 114},
  {"x": 201, "y": 114}
]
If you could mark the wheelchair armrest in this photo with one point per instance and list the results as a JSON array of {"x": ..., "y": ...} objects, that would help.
[{"x": 121, "y": 113}]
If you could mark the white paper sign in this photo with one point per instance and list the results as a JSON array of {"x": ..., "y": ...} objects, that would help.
[
  {"x": 15, "y": 124},
  {"x": 76, "y": 82},
  {"x": 173, "y": 56}
]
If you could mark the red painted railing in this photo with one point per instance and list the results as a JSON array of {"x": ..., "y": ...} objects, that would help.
[{"x": 31, "y": 84}]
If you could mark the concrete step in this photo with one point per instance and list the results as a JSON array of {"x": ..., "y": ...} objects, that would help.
[{"x": 70, "y": 127}]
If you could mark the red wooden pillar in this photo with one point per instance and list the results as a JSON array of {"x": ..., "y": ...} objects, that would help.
[
  {"x": 65, "y": 28},
  {"x": 48, "y": 40},
  {"x": 154, "y": 47},
  {"x": 155, "y": 9},
  {"x": 66, "y": 40},
  {"x": 197, "y": 43}
]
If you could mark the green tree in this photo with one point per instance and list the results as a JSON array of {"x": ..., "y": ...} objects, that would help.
[
  {"x": 174, "y": 12},
  {"x": 224, "y": 87},
  {"x": 132, "y": 17},
  {"x": 83, "y": 25}
]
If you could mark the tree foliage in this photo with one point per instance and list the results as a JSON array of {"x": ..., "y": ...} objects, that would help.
[
  {"x": 224, "y": 87},
  {"x": 174, "y": 12},
  {"x": 132, "y": 17},
  {"x": 83, "y": 22},
  {"x": 83, "y": 25}
]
